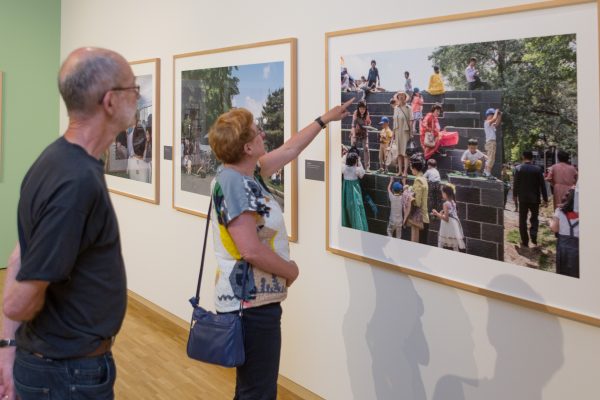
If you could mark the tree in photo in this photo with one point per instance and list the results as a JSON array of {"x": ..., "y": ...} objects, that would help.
[
  {"x": 272, "y": 119},
  {"x": 538, "y": 77},
  {"x": 206, "y": 94}
]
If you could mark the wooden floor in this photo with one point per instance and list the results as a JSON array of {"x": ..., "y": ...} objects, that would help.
[{"x": 152, "y": 363}]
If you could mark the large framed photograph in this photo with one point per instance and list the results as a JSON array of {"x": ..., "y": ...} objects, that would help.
[
  {"x": 260, "y": 77},
  {"x": 469, "y": 154},
  {"x": 132, "y": 161}
]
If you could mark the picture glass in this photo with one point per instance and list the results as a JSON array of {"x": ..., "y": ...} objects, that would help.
[
  {"x": 496, "y": 100},
  {"x": 208, "y": 93}
]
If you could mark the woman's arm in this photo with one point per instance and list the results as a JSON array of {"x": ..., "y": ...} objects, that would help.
[
  {"x": 290, "y": 150},
  {"x": 243, "y": 232}
]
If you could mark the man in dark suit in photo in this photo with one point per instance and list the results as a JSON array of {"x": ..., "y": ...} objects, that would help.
[{"x": 529, "y": 185}]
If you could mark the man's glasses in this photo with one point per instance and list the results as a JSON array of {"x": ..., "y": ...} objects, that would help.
[{"x": 116, "y": 89}]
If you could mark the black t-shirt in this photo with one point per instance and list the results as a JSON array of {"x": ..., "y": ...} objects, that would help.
[{"x": 69, "y": 237}]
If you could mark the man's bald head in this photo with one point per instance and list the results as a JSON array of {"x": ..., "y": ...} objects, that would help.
[{"x": 87, "y": 74}]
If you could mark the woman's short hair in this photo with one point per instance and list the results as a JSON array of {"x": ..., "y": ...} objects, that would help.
[{"x": 230, "y": 132}]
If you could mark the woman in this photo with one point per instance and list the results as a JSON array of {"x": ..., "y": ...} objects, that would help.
[
  {"x": 353, "y": 209},
  {"x": 249, "y": 231},
  {"x": 565, "y": 223},
  {"x": 436, "y": 83},
  {"x": 430, "y": 131},
  {"x": 402, "y": 130},
  {"x": 431, "y": 136},
  {"x": 562, "y": 176},
  {"x": 419, "y": 214}
]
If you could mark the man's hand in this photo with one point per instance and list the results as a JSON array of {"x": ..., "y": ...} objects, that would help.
[{"x": 7, "y": 360}]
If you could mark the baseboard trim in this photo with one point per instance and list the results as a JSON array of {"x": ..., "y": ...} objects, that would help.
[
  {"x": 298, "y": 390},
  {"x": 286, "y": 383},
  {"x": 159, "y": 310}
]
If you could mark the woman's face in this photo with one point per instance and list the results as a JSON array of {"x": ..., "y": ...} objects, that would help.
[
  {"x": 362, "y": 109},
  {"x": 257, "y": 142},
  {"x": 436, "y": 112}
]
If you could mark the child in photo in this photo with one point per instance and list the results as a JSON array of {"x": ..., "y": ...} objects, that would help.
[
  {"x": 359, "y": 133},
  {"x": 396, "y": 220},
  {"x": 432, "y": 174},
  {"x": 408, "y": 84},
  {"x": 472, "y": 158},
  {"x": 385, "y": 139},
  {"x": 434, "y": 181},
  {"x": 417, "y": 109},
  {"x": 353, "y": 209},
  {"x": 493, "y": 118},
  {"x": 451, "y": 234}
]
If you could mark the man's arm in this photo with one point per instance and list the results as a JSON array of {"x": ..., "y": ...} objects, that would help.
[
  {"x": 543, "y": 186},
  {"x": 22, "y": 300},
  {"x": 516, "y": 184},
  {"x": 9, "y": 328}
]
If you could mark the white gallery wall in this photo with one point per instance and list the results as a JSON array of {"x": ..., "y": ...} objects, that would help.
[{"x": 350, "y": 330}]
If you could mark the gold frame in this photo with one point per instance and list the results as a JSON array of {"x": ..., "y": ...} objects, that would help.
[
  {"x": 586, "y": 319},
  {"x": 293, "y": 234},
  {"x": 155, "y": 134}
]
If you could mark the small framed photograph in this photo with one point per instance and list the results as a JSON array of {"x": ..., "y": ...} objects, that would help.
[
  {"x": 260, "y": 77},
  {"x": 132, "y": 162}
]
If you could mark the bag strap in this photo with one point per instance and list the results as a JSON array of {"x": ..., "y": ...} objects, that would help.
[{"x": 196, "y": 300}]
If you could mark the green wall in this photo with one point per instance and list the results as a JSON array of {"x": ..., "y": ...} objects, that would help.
[{"x": 29, "y": 60}]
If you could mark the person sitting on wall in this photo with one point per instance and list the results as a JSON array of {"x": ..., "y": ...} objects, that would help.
[
  {"x": 472, "y": 158},
  {"x": 436, "y": 83},
  {"x": 472, "y": 76},
  {"x": 431, "y": 136}
]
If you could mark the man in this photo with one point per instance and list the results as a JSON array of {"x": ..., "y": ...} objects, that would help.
[
  {"x": 493, "y": 117},
  {"x": 65, "y": 290},
  {"x": 472, "y": 75},
  {"x": 527, "y": 187}
]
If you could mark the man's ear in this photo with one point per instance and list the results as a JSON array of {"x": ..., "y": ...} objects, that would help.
[{"x": 108, "y": 103}]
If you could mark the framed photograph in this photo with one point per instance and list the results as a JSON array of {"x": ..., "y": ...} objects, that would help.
[
  {"x": 260, "y": 77},
  {"x": 132, "y": 162},
  {"x": 470, "y": 152}
]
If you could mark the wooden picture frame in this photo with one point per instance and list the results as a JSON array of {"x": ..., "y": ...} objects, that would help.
[
  {"x": 128, "y": 174},
  {"x": 576, "y": 299},
  {"x": 249, "y": 76}
]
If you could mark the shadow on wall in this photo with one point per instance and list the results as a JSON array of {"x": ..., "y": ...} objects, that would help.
[
  {"x": 392, "y": 336},
  {"x": 528, "y": 353}
]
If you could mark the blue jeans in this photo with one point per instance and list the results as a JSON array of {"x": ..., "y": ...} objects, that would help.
[
  {"x": 39, "y": 378},
  {"x": 257, "y": 378}
]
